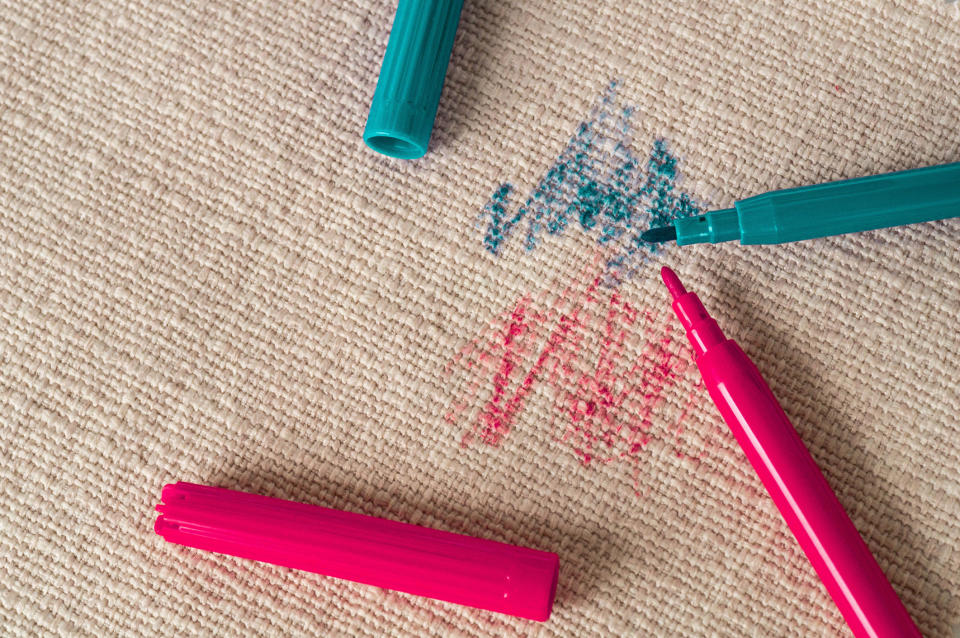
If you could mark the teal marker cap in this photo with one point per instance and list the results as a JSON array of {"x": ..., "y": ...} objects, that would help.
[{"x": 411, "y": 77}]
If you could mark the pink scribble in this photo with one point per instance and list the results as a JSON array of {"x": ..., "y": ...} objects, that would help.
[
  {"x": 502, "y": 355},
  {"x": 609, "y": 366},
  {"x": 498, "y": 414}
]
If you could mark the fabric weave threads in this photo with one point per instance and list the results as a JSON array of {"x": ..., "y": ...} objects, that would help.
[{"x": 205, "y": 276}]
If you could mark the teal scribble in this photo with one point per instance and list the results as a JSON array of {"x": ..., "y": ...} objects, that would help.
[
  {"x": 499, "y": 226},
  {"x": 598, "y": 184}
]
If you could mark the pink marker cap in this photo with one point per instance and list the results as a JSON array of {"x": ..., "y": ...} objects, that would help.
[{"x": 418, "y": 560}]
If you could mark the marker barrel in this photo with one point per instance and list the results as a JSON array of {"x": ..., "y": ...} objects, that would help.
[
  {"x": 835, "y": 208},
  {"x": 826, "y": 534}
]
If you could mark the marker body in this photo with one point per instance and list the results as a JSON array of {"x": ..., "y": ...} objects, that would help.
[
  {"x": 826, "y": 534},
  {"x": 835, "y": 208}
]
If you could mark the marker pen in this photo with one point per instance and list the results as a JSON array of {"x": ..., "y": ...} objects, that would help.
[
  {"x": 835, "y": 208},
  {"x": 817, "y": 519}
]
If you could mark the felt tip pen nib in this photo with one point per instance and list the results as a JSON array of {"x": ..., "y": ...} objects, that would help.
[
  {"x": 659, "y": 235},
  {"x": 672, "y": 282}
]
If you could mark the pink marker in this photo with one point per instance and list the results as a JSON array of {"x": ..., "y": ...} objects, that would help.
[
  {"x": 815, "y": 516},
  {"x": 427, "y": 562}
]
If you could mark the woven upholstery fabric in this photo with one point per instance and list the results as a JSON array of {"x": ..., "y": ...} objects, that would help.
[{"x": 206, "y": 276}]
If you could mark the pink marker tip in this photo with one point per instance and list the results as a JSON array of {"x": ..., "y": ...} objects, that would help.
[{"x": 674, "y": 286}]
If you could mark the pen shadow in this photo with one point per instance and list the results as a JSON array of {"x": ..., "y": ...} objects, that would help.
[
  {"x": 586, "y": 555},
  {"x": 471, "y": 66},
  {"x": 820, "y": 421}
]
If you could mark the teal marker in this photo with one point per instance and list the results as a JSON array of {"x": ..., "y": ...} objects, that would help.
[{"x": 835, "y": 208}]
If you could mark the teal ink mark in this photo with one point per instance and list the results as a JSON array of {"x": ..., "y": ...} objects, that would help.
[
  {"x": 600, "y": 185},
  {"x": 499, "y": 226}
]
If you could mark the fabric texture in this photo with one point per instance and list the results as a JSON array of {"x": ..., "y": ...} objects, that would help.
[{"x": 206, "y": 276}]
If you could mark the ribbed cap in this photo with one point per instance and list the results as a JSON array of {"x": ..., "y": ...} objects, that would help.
[
  {"x": 418, "y": 560},
  {"x": 411, "y": 77}
]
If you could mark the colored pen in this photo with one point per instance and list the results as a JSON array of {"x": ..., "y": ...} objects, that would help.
[
  {"x": 427, "y": 562},
  {"x": 835, "y": 208},
  {"x": 843, "y": 561}
]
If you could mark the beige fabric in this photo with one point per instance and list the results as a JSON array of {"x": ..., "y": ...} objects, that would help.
[{"x": 205, "y": 276}]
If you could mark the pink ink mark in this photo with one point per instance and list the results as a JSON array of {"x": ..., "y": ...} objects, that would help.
[
  {"x": 509, "y": 344},
  {"x": 520, "y": 329},
  {"x": 497, "y": 416},
  {"x": 608, "y": 365},
  {"x": 594, "y": 402}
]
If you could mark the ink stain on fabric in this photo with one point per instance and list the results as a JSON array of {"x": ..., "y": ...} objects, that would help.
[
  {"x": 611, "y": 371},
  {"x": 598, "y": 185}
]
